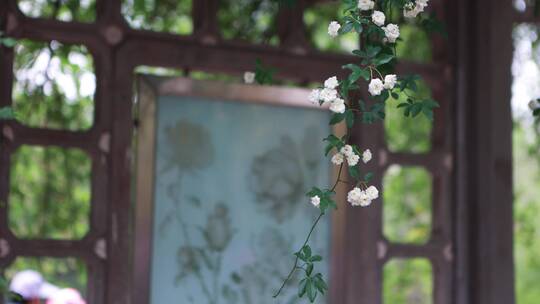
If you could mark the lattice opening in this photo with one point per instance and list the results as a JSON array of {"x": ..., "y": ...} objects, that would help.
[
  {"x": 418, "y": 46},
  {"x": 407, "y": 204},
  {"x": 171, "y": 16},
  {"x": 70, "y": 10},
  {"x": 260, "y": 25},
  {"x": 405, "y": 134},
  {"x": 49, "y": 195},
  {"x": 54, "y": 85},
  {"x": 66, "y": 272},
  {"x": 316, "y": 19},
  {"x": 408, "y": 281}
]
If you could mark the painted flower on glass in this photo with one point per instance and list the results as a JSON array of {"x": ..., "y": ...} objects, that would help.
[
  {"x": 188, "y": 262},
  {"x": 190, "y": 147},
  {"x": 277, "y": 180},
  {"x": 218, "y": 231}
]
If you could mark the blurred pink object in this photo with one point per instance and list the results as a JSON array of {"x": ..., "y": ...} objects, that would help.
[
  {"x": 66, "y": 296},
  {"x": 31, "y": 285}
]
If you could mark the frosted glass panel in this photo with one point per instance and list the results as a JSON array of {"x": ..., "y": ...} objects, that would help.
[{"x": 230, "y": 205}]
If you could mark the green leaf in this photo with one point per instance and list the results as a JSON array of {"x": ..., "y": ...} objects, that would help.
[
  {"x": 320, "y": 284},
  {"x": 347, "y": 27},
  {"x": 336, "y": 118},
  {"x": 349, "y": 118},
  {"x": 353, "y": 172},
  {"x": 263, "y": 74},
  {"x": 315, "y": 191},
  {"x": 368, "y": 177},
  {"x": 302, "y": 287},
  {"x": 383, "y": 58},
  {"x": 536, "y": 112},
  {"x": 8, "y": 42},
  {"x": 316, "y": 258},
  {"x": 372, "y": 51},
  {"x": 307, "y": 251},
  {"x": 6, "y": 113},
  {"x": 415, "y": 109},
  {"x": 309, "y": 269},
  {"x": 311, "y": 291}
]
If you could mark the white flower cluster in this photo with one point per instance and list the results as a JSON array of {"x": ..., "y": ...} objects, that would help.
[
  {"x": 316, "y": 201},
  {"x": 366, "y": 5},
  {"x": 333, "y": 29},
  {"x": 359, "y": 197},
  {"x": 376, "y": 86},
  {"x": 378, "y": 18},
  {"x": 249, "y": 77},
  {"x": 391, "y": 31},
  {"x": 347, "y": 152},
  {"x": 534, "y": 105},
  {"x": 412, "y": 10},
  {"x": 329, "y": 94}
]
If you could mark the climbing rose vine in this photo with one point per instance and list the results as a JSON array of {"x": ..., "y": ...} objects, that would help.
[{"x": 373, "y": 72}]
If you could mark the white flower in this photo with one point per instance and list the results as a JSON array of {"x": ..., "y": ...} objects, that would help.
[
  {"x": 347, "y": 150},
  {"x": 372, "y": 193},
  {"x": 328, "y": 95},
  {"x": 333, "y": 29},
  {"x": 390, "y": 81},
  {"x": 316, "y": 201},
  {"x": 376, "y": 86},
  {"x": 315, "y": 96},
  {"x": 391, "y": 31},
  {"x": 357, "y": 197},
  {"x": 331, "y": 83},
  {"x": 366, "y": 156},
  {"x": 378, "y": 18},
  {"x": 411, "y": 10},
  {"x": 352, "y": 160},
  {"x": 249, "y": 77},
  {"x": 534, "y": 104},
  {"x": 410, "y": 13},
  {"x": 337, "y": 159},
  {"x": 422, "y": 3},
  {"x": 338, "y": 106},
  {"x": 366, "y": 5}
]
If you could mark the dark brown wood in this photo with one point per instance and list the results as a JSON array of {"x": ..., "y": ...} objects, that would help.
[{"x": 487, "y": 130}]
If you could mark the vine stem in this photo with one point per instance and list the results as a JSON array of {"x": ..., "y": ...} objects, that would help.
[{"x": 295, "y": 266}]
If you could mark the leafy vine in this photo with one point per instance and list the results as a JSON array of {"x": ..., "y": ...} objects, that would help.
[{"x": 375, "y": 67}]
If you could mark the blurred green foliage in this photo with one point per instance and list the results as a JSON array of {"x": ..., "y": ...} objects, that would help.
[
  {"x": 526, "y": 154},
  {"x": 65, "y": 10},
  {"x": 249, "y": 20},
  {"x": 407, "y": 204},
  {"x": 49, "y": 188},
  {"x": 408, "y": 282},
  {"x": 172, "y": 16}
]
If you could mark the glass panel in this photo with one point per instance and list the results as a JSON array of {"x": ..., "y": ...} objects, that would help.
[
  {"x": 50, "y": 188},
  {"x": 416, "y": 46},
  {"x": 228, "y": 215},
  {"x": 249, "y": 20},
  {"x": 407, "y": 204},
  {"x": 408, "y": 281},
  {"x": 317, "y": 17},
  {"x": 66, "y": 10},
  {"x": 405, "y": 134},
  {"x": 60, "y": 272},
  {"x": 171, "y": 16},
  {"x": 54, "y": 85}
]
